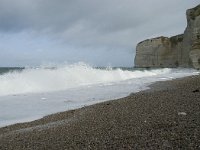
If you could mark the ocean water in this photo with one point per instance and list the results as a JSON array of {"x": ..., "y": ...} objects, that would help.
[{"x": 27, "y": 94}]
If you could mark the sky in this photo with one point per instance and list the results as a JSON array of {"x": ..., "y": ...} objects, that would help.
[{"x": 97, "y": 32}]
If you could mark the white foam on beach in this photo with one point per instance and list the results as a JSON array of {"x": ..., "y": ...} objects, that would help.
[{"x": 34, "y": 93}]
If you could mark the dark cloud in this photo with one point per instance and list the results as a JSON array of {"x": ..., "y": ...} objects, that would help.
[
  {"x": 84, "y": 17},
  {"x": 95, "y": 23}
]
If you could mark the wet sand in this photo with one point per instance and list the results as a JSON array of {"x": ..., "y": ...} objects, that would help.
[{"x": 165, "y": 117}]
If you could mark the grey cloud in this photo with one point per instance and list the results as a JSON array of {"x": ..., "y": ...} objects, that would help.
[{"x": 94, "y": 22}]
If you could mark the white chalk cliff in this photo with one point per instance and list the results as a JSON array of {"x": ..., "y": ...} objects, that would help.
[{"x": 177, "y": 51}]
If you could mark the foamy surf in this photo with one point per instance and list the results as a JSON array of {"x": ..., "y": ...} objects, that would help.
[
  {"x": 33, "y": 93},
  {"x": 49, "y": 79}
]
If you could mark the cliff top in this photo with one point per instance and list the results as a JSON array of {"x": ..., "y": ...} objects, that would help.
[
  {"x": 194, "y": 12},
  {"x": 153, "y": 39},
  {"x": 177, "y": 38}
]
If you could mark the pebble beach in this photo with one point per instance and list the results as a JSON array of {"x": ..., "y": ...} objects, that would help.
[{"x": 167, "y": 116}]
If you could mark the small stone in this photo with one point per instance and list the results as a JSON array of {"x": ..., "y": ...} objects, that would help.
[
  {"x": 167, "y": 144},
  {"x": 195, "y": 91},
  {"x": 182, "y": 113}
]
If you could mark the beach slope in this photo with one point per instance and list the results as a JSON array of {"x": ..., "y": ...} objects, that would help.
[{"x": 165, "y": 117}]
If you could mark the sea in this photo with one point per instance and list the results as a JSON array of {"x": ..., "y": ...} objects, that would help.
[{"x": 30, "y": 93}]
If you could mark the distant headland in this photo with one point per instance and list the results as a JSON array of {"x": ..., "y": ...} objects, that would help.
[{"x": 178, "y": 51}]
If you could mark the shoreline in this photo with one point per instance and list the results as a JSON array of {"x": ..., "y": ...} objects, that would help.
[
  {"x": 97, "y": 98},
  {"x": 164, "y": 116}
]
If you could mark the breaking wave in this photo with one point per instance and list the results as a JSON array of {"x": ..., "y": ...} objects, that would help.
[{"x": 48, "y": 79}]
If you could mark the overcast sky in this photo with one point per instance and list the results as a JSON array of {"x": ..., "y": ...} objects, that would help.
[{"x": 98, "y": 32}]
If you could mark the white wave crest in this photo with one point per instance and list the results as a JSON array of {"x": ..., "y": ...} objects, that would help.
[{"x": 64, "y": 77}]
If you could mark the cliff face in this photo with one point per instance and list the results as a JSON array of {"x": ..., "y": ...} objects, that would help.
[
  {"x": 177, "y": 51},
  {"x": 193, "y": 30},
  {"x": 159, "y": 52}
]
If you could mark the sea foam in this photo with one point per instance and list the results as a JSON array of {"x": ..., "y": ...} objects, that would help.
[{"x": 48, "y": 79}]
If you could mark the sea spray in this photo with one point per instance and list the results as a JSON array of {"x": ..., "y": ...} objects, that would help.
[{"x": 48, "y": 79}]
